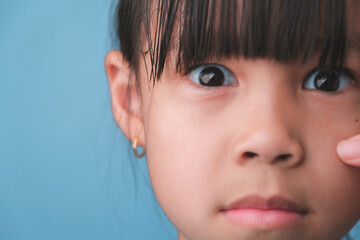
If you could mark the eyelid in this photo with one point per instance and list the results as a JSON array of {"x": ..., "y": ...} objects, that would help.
[
  {"x": 354, "y": 75},
  {"x": 228, "y": 75},
  {"x": 339, "y": 71},
  {"x": 347, "y": 72}
]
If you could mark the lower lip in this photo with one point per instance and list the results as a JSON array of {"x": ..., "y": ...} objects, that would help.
[{"x": 263, "y": 218}]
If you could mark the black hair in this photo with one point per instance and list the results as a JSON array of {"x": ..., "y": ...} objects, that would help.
[{"x": 197, "y": 30}]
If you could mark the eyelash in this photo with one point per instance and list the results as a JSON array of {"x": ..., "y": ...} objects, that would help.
[
  {"x": 340, "y": 77},
  {"x": 343, "y": 78},
  {"x": 226, "y": 78}
]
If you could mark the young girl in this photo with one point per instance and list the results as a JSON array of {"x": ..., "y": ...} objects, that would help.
[{"x": 239, "y": 106}]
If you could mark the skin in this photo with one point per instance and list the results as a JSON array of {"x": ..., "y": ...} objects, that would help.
[{"x": 197, "y": 138}]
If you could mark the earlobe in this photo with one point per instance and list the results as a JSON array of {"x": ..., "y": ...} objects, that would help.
[{"x": 125, "y": 101}]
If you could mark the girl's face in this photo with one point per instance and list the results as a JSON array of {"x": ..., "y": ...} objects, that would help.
[
  {"x": 254, "y": 155},
  {"x": 255, "y": 159}
]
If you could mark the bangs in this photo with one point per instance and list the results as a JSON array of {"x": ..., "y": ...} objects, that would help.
[{"x": 280, "y": 30}]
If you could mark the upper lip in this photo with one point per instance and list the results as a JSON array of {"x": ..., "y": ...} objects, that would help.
[{"x": 272, "y": 203}]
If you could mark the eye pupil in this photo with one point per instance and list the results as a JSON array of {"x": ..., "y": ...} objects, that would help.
[
  {"x": 327, "y": 81},
  {"x": 212, "y": 76}
]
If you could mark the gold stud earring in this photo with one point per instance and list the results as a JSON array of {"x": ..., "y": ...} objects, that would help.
[{"x": 136, "y": 151}]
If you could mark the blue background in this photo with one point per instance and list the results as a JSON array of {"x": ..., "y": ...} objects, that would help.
[{"x": 65, "y": 168}]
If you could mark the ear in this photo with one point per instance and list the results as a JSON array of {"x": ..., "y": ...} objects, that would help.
[{"x": 125, "y": 100}]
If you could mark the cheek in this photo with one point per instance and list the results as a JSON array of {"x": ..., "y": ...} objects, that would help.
[
  {"x": 333, "y": 185},
  {"x": 334, "y": 191},
  {"x": 338, "y": 117},
  {"x": 182, "y": 141},
  {"x": 183, "y": 151}
]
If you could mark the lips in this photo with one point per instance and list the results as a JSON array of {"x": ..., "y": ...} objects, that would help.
[
  {"x": 273, "y": 203},
  {"x": 258, "y": 212}
]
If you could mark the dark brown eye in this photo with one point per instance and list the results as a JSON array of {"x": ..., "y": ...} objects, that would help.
[
  {"x": 328, "y": 79},
  {"x": 212, "y": 75}
]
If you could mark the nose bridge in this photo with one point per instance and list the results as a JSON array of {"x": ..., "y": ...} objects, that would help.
[
  {"x": 273, "y": 106},
  {"x": 276, "y": 111},
  {"x": 271, "y": 134}
]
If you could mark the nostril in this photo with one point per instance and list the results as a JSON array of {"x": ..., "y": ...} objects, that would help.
[
  {"x": 249, "y": 155},
  {"x": 283, "y": 157}
]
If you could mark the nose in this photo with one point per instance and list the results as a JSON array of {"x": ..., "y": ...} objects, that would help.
[
  {"x": 271, "y": 147},
  {"x": 271, "y": 137}
]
